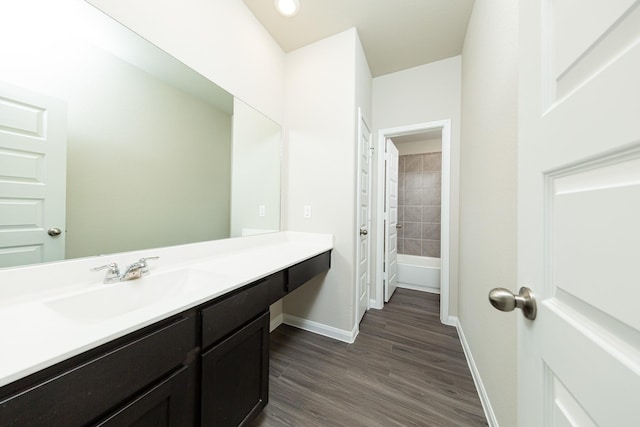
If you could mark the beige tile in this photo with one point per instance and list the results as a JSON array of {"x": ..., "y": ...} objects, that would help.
[
  {"x": 430, "y": 248},
  {"x": 431, "y": 197},
  {"x": 431, "y": 231},
  {"x": 413, "y": 163},
  {"x": 413, "y": 197},
  {"x": 401, "y": 200},
  {"x": 401, "y": 181},
  {"x": 412, "y": 230},
  {"x": 401, "y": 160},
  {"x": 413, "y": 214},
  {"x": 413, "y": 180},
  {"x": 432, "y": 162},
  {"x": 400, "y": 246},
  {"x": 412, "y": 247},
  {"x": 431, "y": 179},
  {"x": 431, "y": 214},
  {"x": 400, "y": 213}
]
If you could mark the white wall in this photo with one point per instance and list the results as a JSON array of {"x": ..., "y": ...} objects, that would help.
[
  {"x": 423, "y": 94},
  {"x": 324, "y": 83},
  {"x": 221, "y": 39},
  {"x": 488, "y": 197}
]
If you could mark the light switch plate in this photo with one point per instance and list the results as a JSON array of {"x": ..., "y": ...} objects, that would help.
[
  {"x": 261, "y": 210},
  {"x": 307, "y": 211}
]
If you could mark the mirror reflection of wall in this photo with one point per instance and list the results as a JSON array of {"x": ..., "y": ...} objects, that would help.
[
  {"x": 255, "y": 196},
  {"x": 149, "y": 141}
]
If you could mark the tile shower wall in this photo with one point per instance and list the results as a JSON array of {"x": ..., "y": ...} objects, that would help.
[{"x": 419, "y": 180}]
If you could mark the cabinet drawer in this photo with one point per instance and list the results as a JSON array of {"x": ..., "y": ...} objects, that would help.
[
  {"x": 276, "y": 285},
  {"x": 300, "y": 273},
  {"x": 225, "y": 316},
  {"x": 80, "y": 395},
  {"x": 164, "y": 404}
]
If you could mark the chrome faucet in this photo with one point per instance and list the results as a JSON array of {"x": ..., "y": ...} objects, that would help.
[{"x": 134, "y": 271}]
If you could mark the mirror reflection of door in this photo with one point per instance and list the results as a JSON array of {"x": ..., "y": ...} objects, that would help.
[{"x": 32, "y": 177}]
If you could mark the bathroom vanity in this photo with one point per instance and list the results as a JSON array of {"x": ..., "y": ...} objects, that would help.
[{"x": 199, "y": 355}]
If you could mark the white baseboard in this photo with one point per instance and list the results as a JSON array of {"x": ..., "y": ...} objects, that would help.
[
  {"x": 275, "y": 322},
  {"x": 321, "y": 329},
  {"x": 482, "y": 392},
  {"x": 450, "y": 321},
  {"x": 419, "y": 288}
]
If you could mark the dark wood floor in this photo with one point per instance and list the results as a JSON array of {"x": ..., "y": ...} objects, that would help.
[{"x": 405, "y": 369}]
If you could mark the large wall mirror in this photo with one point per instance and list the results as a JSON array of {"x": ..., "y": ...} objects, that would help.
[{"x": 119, "y": 146}]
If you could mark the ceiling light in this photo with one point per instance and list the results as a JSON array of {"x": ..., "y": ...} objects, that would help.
[{"x": 287, "y": 7}]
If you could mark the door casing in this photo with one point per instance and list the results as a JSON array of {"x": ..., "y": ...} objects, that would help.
[{"x": 377, "y": 297}]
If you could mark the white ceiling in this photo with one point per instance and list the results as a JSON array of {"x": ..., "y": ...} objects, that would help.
[
  {"x": 418, "y": 137},
  {"x": 395, "y": 34}
]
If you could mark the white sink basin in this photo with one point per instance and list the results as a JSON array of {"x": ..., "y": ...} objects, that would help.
[{"x": 122, "y": 298}]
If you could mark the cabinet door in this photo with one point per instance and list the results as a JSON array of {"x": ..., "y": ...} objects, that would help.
[
  {"x": 235, "y": 376},
  {"x": 165, "y": 404}
]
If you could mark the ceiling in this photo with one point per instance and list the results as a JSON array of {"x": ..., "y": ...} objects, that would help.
[
  {"x": 418, "y": 137},
  {"x": 395, "y": 34}
]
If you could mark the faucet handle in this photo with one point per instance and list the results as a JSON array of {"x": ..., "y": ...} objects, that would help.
[
  {"x": 144, "y": 265},
  {"x": 113, "y": 272}
]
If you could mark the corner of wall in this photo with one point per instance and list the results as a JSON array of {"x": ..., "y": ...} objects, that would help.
[
  {"x": 320, "y": 99},
  {"x": 475, "y": 374}
]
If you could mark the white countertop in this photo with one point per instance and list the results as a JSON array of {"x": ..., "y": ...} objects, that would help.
[{"x": 36, "y": 332}]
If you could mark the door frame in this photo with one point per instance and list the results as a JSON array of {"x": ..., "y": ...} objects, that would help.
[{"x": 445, "y": 224}]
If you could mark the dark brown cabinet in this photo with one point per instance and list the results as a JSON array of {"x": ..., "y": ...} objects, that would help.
[
  {"x": 235, "y": 376},
  {"x": 87, "y": 388},
  {"x": 207, "y": 366},
  {"x": 164, "y": 404}
]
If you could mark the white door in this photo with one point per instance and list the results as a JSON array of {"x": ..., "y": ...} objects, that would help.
[
  {"x": 364, "y": 218},
  {"x": 32, "y": 177},
  {"x": 391, "y": 221},
  {"x": 579, "y": 212}
]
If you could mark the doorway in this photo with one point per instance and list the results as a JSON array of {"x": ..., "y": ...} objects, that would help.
[{"x": 443, "y": 127}]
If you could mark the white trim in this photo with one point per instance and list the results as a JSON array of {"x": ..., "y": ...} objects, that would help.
[
  {"x": 275, "y": 322},
  {"x": 383, "y": 134},
  {"x": 322, "y": 329},
  {"x": 475, "y": 374},
  {"x": 419, "y": 288}
]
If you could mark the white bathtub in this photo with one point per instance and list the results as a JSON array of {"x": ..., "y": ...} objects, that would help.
[{"x": 419, "y": 273}]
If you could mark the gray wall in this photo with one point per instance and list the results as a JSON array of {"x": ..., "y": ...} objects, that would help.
[{"x": 488, "y": 197}]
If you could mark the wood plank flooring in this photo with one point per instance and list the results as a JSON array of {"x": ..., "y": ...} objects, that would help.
[{"x": 404, "y": 369}]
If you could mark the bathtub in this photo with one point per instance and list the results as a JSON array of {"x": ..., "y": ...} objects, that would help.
[{"x": 419, "y": 273}]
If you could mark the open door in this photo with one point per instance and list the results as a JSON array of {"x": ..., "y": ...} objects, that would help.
[
  {"x": 391, "y": 221},
  {"x": 33, "y": 162},
  {"x": 578, "y": 212}
]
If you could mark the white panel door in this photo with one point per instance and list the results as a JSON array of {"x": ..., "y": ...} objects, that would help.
[
  {"x": 579, "y": 212},
  {"x": 364, "y": 219},
  {"x": 32, "y": 177},
  {"x": 391, "y": 222}
]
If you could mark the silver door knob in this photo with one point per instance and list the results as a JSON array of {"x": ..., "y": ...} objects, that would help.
[
  {"x": 53, "y": 232},
  {"x": 363, "y": 232},
  {"x": 504, "y": 300},
  {"x": 398, "y": 225}
]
